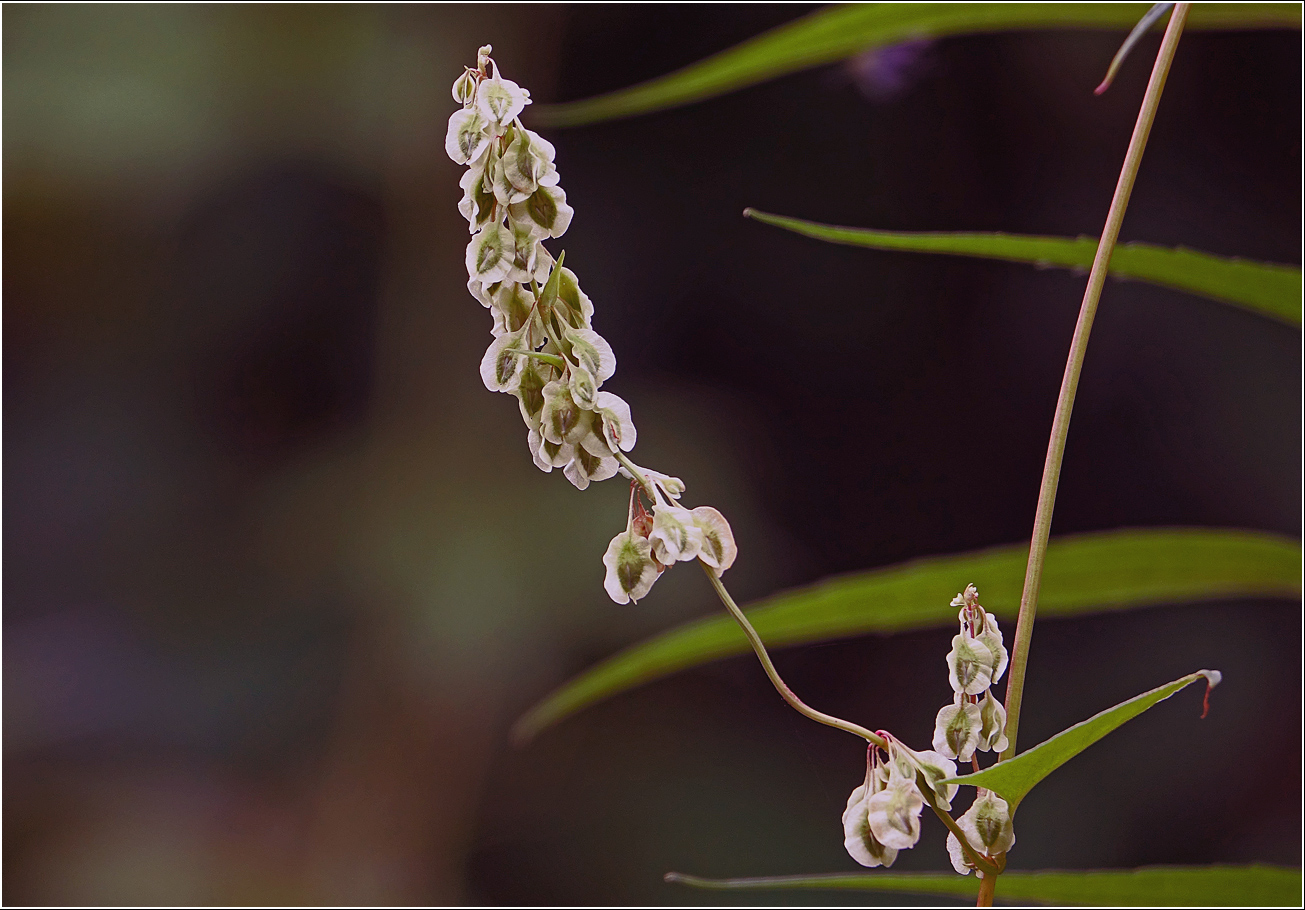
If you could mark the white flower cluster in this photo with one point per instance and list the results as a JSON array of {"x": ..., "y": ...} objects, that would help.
[
  {"x": 975, "y": 720},
  {"x": 545, "y": 351},
  {"x": 883, "y": 814}
]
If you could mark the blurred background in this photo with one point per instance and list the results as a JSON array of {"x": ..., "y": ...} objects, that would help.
[{"x": 280, "y": 573}]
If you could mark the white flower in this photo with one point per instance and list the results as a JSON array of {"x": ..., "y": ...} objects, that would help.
[
  {"x": 490, "y": 254},
  {"x": 857, "y": 836},
  {"x": 991, "y": 638},
  {"x": 547, "y": 455},
  {"x": 631, "y": 570},
  {"x": 992, "y": 735},
  {"x": 585, "y": 467},
  {"x": 618, "y": 428},
  {"x": 956, "y": 730},
  {"x": 894, "y": 814},
  {"x": 500, "y": 99},
  {"x": 500, "y": 368},
  {"x": 546, "y": 210},
  {"x": 957, "y": 855},
  {"x": 468, "y": 136},
  {"x": 562, "y": 419},
  {"x": 969, "y": 665},
  {"x": 718, "y": 547},
  {"x": 987, "y": 824},
  {"x": 591, "y": 351},
  {"x": 675, "y": 538},
  {"x": 936, "y": 767}
]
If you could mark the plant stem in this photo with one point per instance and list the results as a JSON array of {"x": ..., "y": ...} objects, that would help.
[
  {"x": 800, "y": 706},
  {"x": 1074, "y": 365},
  {"x": 987, "y": 888}
]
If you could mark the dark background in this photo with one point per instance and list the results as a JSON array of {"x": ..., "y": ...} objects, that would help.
[{"x": 280, "y": 573}]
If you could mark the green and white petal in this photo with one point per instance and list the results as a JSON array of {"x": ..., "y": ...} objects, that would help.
[
  {"x": 579, "y": 309},
  {"x": 464, "y": 88},
  {"x": 583, "y": 388},
  {"x": 956, "y": 730},
  {"x": 957, "y": 855},
  {"x": 546, "y": 209},
  {"x": 530, "y": 391},
  {"x": 547, "y": 455},
  {"x": 858, "y": 839},
  {"x": 500, "y": 99},
  {"x": 591, "y": 351},
  {"x": 500, "y": 368},
  {"x": 562, "y": 419},
  {"x": 631, "y": 570},
  {"x": 718, "y": 547},
  {"x": 894, "y": 814},
  {"x": 618, "y": 427},
  {"x": 675, "y": 538},
  {"x": 991, "y": 638},
  {"x": 468, "y": 136},
  {"x": 987, "y": 824},
  {"x": 515, "y": 302},
  {"x": 992, "y": 732},
  {"x": 586, "y": 467},
  {"x": 969, "y": 665},
  {"x": 478, "y": 200},
  {"x": 490, "y": 254},
  {"x": 937, "y": 767}
]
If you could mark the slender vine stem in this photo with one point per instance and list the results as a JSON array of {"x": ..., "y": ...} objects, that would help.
[
  {"x": 782, "y": 687},
  {"x": 1073, "y": 366}
]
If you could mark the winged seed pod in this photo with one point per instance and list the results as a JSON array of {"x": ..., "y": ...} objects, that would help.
[{"x": 545, "y": 351}]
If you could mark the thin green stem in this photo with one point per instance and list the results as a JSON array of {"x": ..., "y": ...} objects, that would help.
[
  {"x": 1074, "y": 365},
  {"x": 546, "y": 358},
  {"x": 782, "y": 687}
]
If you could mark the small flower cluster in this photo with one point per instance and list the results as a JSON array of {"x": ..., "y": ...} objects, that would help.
[
  {"x": 883, "y": 814},
  {"x": 975, "y": 719},
  {"x": 545, "y": 351}
]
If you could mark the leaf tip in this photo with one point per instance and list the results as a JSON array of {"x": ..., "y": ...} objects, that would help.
[
  {"x": 672, "y": 878},
  {"x": 1101, "y": 89},
  {"x": 1212, "y": 679},
  {"x": 749, "y": 212}
]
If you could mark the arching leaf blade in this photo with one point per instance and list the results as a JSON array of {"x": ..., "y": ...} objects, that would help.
[
  {"x": 1266, "y": 288},
  {"x": 1152, "y": 886},
  {"x": 1014, "y": 778},
  {"x": 834, "y": 34},
  {"x": 1110, "y": 570}
]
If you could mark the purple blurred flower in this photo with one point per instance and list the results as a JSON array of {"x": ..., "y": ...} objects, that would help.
[{"x": 885, "y": 73}]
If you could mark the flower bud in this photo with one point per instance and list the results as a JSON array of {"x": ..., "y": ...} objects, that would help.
[{"x": 464, "y": 88}]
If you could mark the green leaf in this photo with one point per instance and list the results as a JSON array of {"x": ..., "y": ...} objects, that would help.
[
  {"x": 1013, "y": 778},
  {"x": 833, "y": 34},
  {"x": 1261, "y": 287},
  {"x": 1154, "y": 886},
  {"x": 1120, "y": 569}
]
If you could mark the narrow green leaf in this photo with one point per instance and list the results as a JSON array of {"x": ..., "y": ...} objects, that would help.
[
  {"x": 1117, "y": 570},
  {"x": 1265, "y": 288},
  {"x": 833, "y": 34},
  {"x": 1014, "y": 778},
  {"x": 1153, "y": 886}
]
